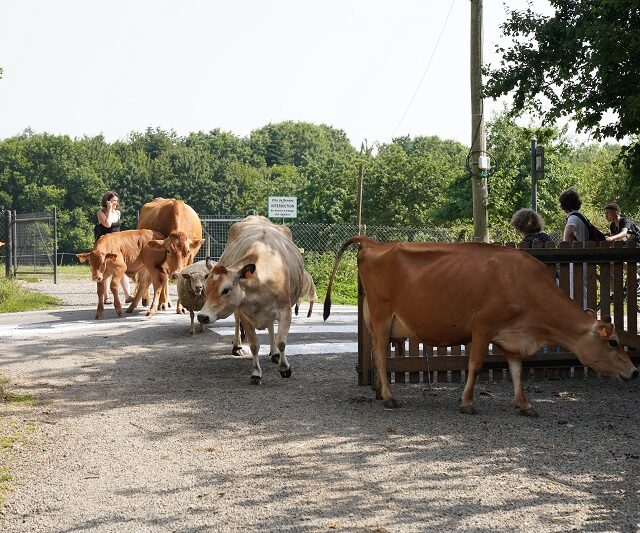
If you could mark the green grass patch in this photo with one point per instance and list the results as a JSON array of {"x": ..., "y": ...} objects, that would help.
[
  {"x": 66, "y": 272},
  {"x": 14, "y": 298},
  {"x": 345, "y": 284}
]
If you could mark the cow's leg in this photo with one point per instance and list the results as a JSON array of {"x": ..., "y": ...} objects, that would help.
[
  {"x": 380, "y": 354},
  {"x": 310, "y": 308},
  {"x": 256, "y": 371},
  {"x": 236, "y": 348},
  {"x": 101, "y": 295},
  {"x": 192, "y": 329},
  {"x": 158, "y": 279},
  {"x": 479, "y": 348},
  {"x": 114, "y": 286},
  {"x": 515, "y": 369},
  {"x": 142, "y": 291},
  {"x": 274, "y": 352},
  {"x": 284, "y": 323}
]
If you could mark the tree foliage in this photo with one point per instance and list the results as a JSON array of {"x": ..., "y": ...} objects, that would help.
[{"x": 583, "y": 62}]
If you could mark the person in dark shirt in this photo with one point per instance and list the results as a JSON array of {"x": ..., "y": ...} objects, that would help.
[
  {"x": 109, "y": 222},
  {"x": 622, "y": 228},
  {"x": 530, "y": 224}
]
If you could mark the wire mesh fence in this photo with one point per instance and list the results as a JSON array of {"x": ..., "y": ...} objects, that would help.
[
  {"x": 319, "y": 238},
  {"x": 31, "y": 243}
]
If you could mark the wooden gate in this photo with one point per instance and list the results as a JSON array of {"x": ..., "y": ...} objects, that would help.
[{"x": 603, "y": 278}]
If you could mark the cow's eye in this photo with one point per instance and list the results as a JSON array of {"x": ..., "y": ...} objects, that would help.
[
  {"x": 225, "y": 291},
  {"x": 613, "y": 343}
]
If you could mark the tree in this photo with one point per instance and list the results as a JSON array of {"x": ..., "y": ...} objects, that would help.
[{"x": 581, "y": 62}]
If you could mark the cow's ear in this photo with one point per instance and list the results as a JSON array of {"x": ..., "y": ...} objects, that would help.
[
  {"x": 110, "y": 257},
  {"x": 603, "y": 329},
  {"x": 196, "y": 243},
  {"x": 83, "y": 257},
  {"x": 606, "y": 319},
  {"x": 185, "y": 276},
  {"x": 155, "y": 244},
  {"x": 591, "y": 312},
  {"x": 210, "y": 263},
  {"x": 247, "y": 271}
]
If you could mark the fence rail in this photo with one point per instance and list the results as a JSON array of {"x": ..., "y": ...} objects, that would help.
[{"x": 604, "y": 278}]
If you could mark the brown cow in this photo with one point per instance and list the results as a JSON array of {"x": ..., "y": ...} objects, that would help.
[
  {"x": 308, "y": 292},
  {"x": 449, "y": 294},
  {"x": 166, "y": 216},
  {"x": 260, "y": 276},
  {"x": 163, "y": 260},
  {"x": 116, "y": 254}
]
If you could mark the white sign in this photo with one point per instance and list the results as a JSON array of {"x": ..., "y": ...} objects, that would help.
[{"x": 283, "y": 207}]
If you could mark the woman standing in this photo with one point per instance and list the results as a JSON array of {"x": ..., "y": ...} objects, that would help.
[{"x": 109, "y": 222}]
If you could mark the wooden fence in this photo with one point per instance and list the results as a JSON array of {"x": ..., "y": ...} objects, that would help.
[{"x": 605, "y": 275}]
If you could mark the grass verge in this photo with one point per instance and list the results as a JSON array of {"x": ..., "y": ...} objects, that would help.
[
  {"x": 345, "y": 284},
  {"x": 14, "y": 298}
]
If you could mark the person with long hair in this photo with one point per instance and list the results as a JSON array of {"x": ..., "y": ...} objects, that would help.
[{"x": 109, "y": 221}]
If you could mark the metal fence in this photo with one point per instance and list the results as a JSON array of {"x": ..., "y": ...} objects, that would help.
[
  {"x": 318, "y": 238},
  {"x": 31, "y": 243}
]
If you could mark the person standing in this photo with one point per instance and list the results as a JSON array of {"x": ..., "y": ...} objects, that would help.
[
  {"x": 109, "y": 221},
  {"x": 621, "y": 227},
  {"x": 529, "y": 224},
  {"x": 575, "y": 228}
]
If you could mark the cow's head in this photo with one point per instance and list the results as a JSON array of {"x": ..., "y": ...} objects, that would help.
[
  {"x": 99, "y": 263},
  {"x": 196, "y": 280},
  {"x": 177, "y": 251},
  {"x": 224, "y": 289},
  {"x": 601, "y": 350}
]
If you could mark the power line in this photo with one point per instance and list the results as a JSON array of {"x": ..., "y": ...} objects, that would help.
[{"x": 424, "y": 74}]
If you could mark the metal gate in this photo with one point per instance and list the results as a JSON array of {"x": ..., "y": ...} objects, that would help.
[
  {"x": 214, "y": 231},
  {"x": 31, "y": 245}
]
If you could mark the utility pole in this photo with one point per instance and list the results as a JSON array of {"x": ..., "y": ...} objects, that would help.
[
  {"x": 534, "y": 176},
  {"x": 478, "y": 135},
  {"x": 359, "y": 198}
]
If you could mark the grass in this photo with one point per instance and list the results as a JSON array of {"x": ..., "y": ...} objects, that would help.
[
  {"x": 13, "y": 431},
  {"x": 15, "y": 298},
  {"x": 66, "y": 272},
  {"x": 345, "y": 284}
]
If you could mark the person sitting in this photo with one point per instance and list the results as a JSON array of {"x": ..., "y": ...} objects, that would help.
[
  {"x": 530, "y": 224},
  {"x": 622, "y": 228},
  {"x": 108, "y": 222}
]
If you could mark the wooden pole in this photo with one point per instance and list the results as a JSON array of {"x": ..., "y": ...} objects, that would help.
[
  {"x": 478, "y": 135},
  {"x": 359, "y": 198}
]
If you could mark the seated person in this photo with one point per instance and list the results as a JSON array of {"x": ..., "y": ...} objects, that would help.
[{"x": 529, "y": 224}]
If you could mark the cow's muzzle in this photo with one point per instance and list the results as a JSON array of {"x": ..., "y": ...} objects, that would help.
[
  {"x": 633, "y": 375},
  {"x": 203, "y": 319}
]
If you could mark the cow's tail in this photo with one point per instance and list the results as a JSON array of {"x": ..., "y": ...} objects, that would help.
[{"x": 361, "y": 241}]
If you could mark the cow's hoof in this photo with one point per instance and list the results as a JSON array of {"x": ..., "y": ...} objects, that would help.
[
  {"x": 129, "y": 310},
  {"x": 150, "y": 313},
  {"x": 98, "y": 317},
  {"x": 468, "y": 410},
  {"x": 531, "y": 412},
  {"x": 237, "y": 351},
  {"x": 390, "y": 404},
  {"x": 255, "y": 380},
  {"x": 275, "y": 357},
  {"x": 119, "y": 312},
  {"x": 286, "y": 373},
  {"x": 192, "y": 331}
]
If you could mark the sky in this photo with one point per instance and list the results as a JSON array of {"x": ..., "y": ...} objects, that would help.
[{"x": 376, "y": 69}]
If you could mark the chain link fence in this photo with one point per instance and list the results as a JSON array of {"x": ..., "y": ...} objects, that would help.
[{"x": 319, "y": 238}]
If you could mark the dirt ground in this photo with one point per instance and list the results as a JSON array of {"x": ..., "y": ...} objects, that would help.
[{"x": 141, "y": 427}]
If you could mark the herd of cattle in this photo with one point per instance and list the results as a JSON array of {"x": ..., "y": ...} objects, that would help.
[{"x": 439, "y": 293}]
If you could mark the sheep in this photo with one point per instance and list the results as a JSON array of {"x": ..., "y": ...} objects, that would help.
[
  {"x": 190, "y": 285},
  {"x": 308, "y": 291}
]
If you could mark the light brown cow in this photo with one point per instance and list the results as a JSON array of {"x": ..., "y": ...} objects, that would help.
[
  {"x": 259, "y": 275},
  {"x": 163, "y": 260},
  {"x": 116, "y": 254},
  {"x": 166, "y": 216},
  {"x": 234, "y": 232},
  {"x": 450, "y": 294},
  {"x": 308, "y": 292}
]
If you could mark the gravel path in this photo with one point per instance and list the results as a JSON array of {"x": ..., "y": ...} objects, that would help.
[{"x": 142, "y": 427}]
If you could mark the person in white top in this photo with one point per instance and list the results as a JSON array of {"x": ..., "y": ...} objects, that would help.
[
  {"x": 575, "y": 229},
  {"x": 109, "y": 222}
]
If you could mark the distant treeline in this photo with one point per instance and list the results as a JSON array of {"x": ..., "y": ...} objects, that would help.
[{"x": 418, "y": 181}]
